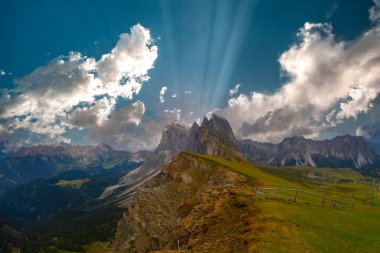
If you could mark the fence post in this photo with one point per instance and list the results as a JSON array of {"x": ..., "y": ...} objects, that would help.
[
  {"x": 323, "y": 200},
  {"x": 334, "y": 203},
  {"x": 295, "y": 197},
  {"x": 254, "y": 195}
]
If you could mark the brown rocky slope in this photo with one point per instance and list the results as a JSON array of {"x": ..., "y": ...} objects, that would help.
[{"x": 193, "y": 204}]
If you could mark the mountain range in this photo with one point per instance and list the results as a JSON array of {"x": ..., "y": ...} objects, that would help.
[
  {"x": 340, "y": 152},
  {"x": 45, "y": 161},
  {"x": 213, "y": 137},
  {"x": 43, "y": 185}
]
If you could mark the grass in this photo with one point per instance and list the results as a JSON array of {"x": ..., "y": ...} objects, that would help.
[
  {"x": 95, "y": 247},
  {"x": 113, "y": 164},
  {"x": 75, "y": 184},
  {"x": 307, "y": 226},
  {"x": 99, "y": 247}
]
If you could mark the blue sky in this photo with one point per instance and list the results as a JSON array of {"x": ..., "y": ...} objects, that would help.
[{"x": 205, "y": 48}]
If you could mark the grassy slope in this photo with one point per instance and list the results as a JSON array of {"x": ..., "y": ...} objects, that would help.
[
  {"x": 76, "y": 184},
  {"x": 308, "y": 226},
  {"x": 111, "y": 165}
]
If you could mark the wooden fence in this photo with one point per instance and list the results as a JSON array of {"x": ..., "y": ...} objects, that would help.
[{"x": 323, "y": 200}]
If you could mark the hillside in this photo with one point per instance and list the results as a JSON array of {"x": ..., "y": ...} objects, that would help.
[{"x": 206, "y": 204}]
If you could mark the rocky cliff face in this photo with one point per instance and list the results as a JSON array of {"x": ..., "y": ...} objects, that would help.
[
  {"x": 214, "y": 137},
  {"x": 191, "y": 204},
  {"x": 339, "y": 152}
]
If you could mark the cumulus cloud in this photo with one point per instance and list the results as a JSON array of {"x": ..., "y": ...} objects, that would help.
[
  {"x": 371, "y": 132},
  {"x": 147, "y": 138},
  {"x": 120, "y": 124},
  {"x": 234, "y": 90},
  {"x": 360, "y": 131},
  {"x": 329, "y": 81},
  {"x": 81, "y": 92},
  {"x": 147, "y": 135},
  {"x": 174, "y": 95},
  {"x": 2, "y": 72},
  {"x": 162, "y": 93}
]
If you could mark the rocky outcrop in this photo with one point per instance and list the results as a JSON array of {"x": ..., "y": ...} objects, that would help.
[
  {"x": 339, "y": 152},
  {"x": 185, "y": 206}
]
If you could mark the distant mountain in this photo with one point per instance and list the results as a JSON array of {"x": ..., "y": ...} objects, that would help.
[
  {"x": 214, "y": 137},
  {"x": 45, "y": 161},
  {"x": 339, "y": 152}
]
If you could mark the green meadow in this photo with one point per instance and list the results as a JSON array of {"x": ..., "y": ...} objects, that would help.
[{"x": 311, "y": 224}]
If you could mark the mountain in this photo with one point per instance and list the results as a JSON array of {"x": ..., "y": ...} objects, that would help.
[
  {"x": 340, "y": 152},
  {"x": 176, "y": 204},
  {"x": 45, "y": 161},
  {"x": 214, "y": 137}
]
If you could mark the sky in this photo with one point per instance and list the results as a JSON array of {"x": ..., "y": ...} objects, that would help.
[{"x": 118, "y": 72}]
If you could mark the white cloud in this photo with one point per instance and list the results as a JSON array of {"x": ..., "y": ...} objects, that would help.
[
  {"x": 188, "y": 92},
  {"x": 61, "y": 139},
  {"x": 119, "y": 124},
  {"x": 174, "y": 95},
  {"x": 171, "y": 115},
  {"x": 147, "y": 135},
  {"x": 79, "y": 91},
  {"x": 2, "y": 72},
  {"x": 147, "y": 138},
  {"x": 330, "y": 81},
  {"x": 234, "y": 90},
  {"x": 374, "y": 11},
  {"x": 162, "y": 93},
  {"x": 361, "y": 132}
]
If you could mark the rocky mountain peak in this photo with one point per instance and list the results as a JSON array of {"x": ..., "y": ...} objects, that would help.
[
  {"x": 219, "y": 125},
  {"x": 174, "y": 136}
]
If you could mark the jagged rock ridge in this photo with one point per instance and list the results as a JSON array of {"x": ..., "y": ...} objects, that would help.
[{"x": 339, "y": 152}]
